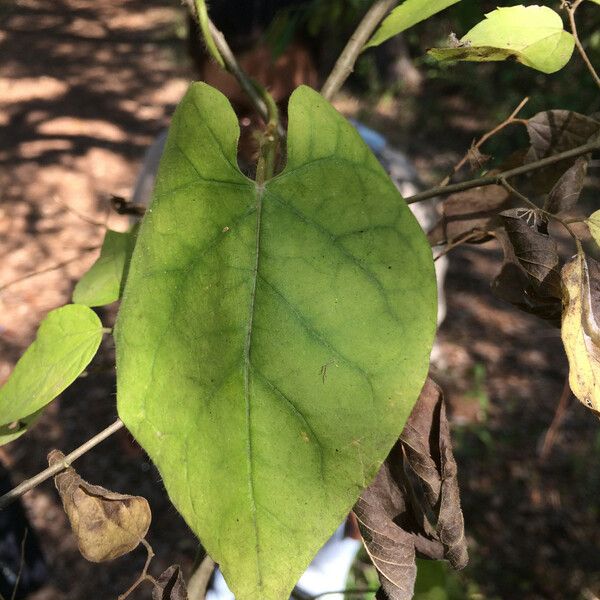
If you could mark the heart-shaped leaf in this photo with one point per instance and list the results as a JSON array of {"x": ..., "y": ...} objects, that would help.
[
  {"x": 532, "y": 35},
  {"x": 103, "y": 283},
  {"x": 409, "y": 13},
  {"x": 272, "y": 339},
  {"x": 66, "y": 342}
]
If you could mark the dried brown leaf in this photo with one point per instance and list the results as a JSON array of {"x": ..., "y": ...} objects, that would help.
[
  {"x": 581, "y": 328},
  {"x": 552, "y": 132},
  {"x": 555, "y": 131},
  {"x": 106, "y": 524},
  {"x": 412, "y": 508},
  {"x": 476, "y": 158},
  {"x": 567, "y": 189},
  {"x": 170, "y": 585},
  {"x": 514, "y": 285},
  {"x": 533, "y": 248},
  {"x": 473, "y": 211}
]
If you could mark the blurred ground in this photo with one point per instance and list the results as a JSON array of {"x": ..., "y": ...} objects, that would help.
[{"x": 84, "y": 88}]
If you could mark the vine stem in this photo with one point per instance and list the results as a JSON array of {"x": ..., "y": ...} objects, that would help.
[
  {"x": 512, "y": 118},
  {"x": 358, "y": 591},
  {"x": 511, "y": 190},
  {"x": 571, "y": 10},
  {"x": 254, "y": 91},
  {"x": 345, "y": 63},
  {"x": 144, "y": 574},
  {"x": 446, "y": 190},
  {"x": 49, "y": 269},
  {"x": 552, "y": 431},
  {"x": 29, "y": 484}
]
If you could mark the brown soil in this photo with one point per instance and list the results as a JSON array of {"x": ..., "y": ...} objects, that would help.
[{"x": 84, "y": 88}]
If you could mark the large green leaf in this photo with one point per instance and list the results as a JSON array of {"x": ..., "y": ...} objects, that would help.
[
  {"x": 532, "y": 35},
  {"x": 102, "y": 284},
  {"x": 66, "y": 342},
  {"x": 272, "y": 339},
  {"x": 409, "y": 13}
]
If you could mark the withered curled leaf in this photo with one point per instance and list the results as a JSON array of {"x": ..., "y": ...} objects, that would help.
[
  {"x": 554, "y": 131},
  {"x": 106, "y": 524},
  {"x": 170, "y": 585},
  {"x": 581, "y": 328},
  {"x": 533, "y": 248},
  {"x": 412, "y": 508},
  {"x": 471, "y": 213},
  {"x": 514, "y": 285},
  {"x": 567, "y": 189}
]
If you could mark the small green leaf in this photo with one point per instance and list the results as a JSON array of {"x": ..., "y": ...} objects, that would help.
[
  {"x": 272, "y": 339},
  {"x": 409, "y": 13},
  {"x": 103, "y": 283},
  {"x": 532, "y": 35},
  {"x": 66, "y": 342},
  {"x": 593, "y": 223}
]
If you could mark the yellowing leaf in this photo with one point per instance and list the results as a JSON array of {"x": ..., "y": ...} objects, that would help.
[
  {"x": 532, "y": 35},
  {"x": 581, "y": 328},
  {"x": 106, "y": 525},
  {"x": 593, "y": 223}
]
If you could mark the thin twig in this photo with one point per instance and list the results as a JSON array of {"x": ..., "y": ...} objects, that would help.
[
  {"x": 517, "y": 194},
  {"x": 455, "y": 244},
  {"x": 21, "y": 563},
  {"x": 203, "y": 21},
  {"x": 510, "y": 120},
  {"x": 29, "y": 484},
  {"x": 571, "y": 9},
  {"x": 345, "y": 63},
  {"x": 250, "y": 87},
  {"x": 511, "y": 190},
  {"x": 49, "y": 269},
  {"x": 79, "y": 215},
  {"x": 345, "y": 593},
  {"x": 559, "y": 415},
  {"x": 200, "y": 579},
  {"x": 143, "y": 575},
  {"x": 497, "y": 179}
]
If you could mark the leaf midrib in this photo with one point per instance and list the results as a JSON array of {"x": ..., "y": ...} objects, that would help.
[{"x": 247, "y": 369}]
